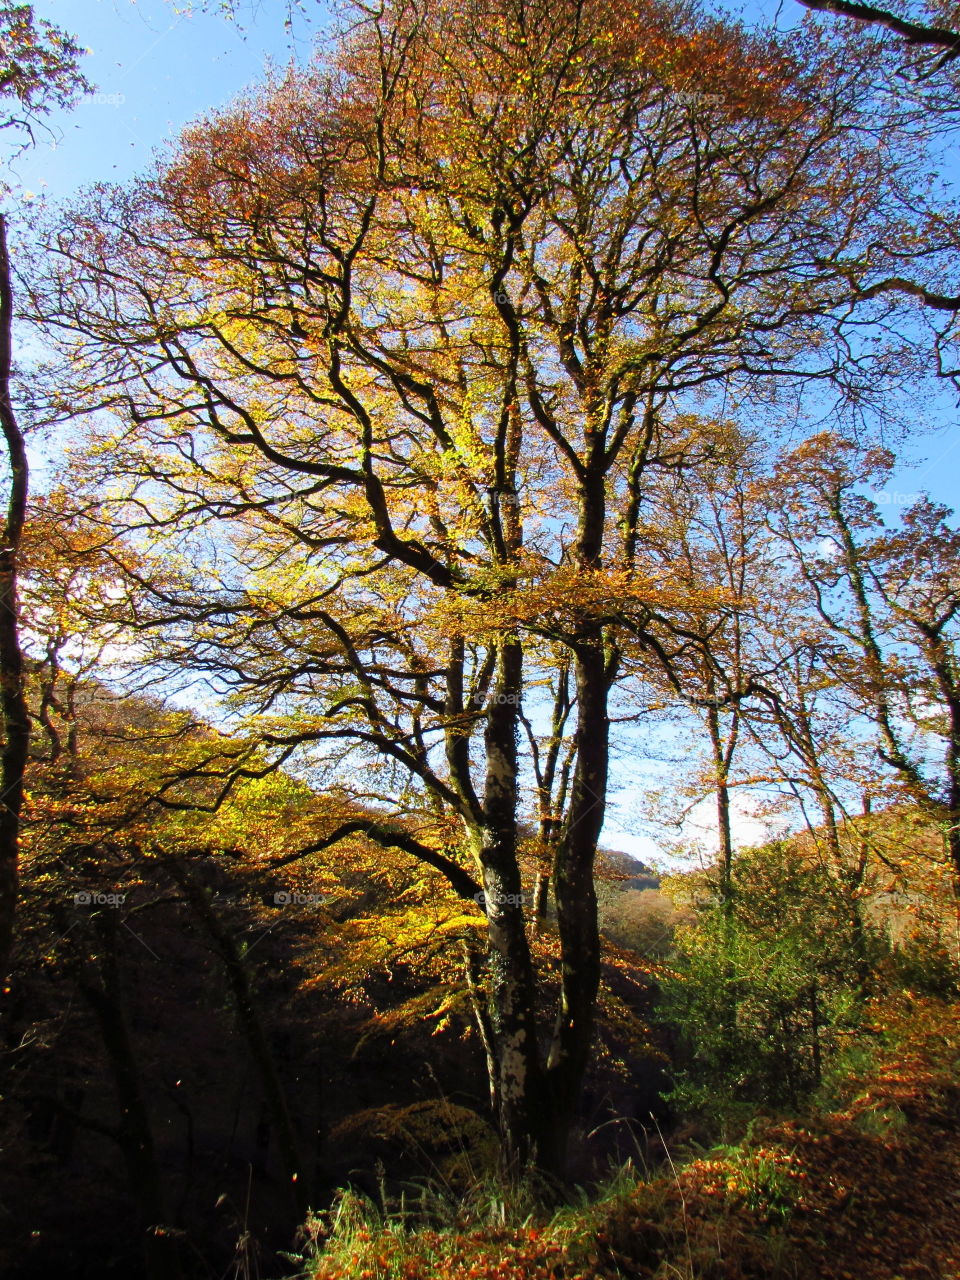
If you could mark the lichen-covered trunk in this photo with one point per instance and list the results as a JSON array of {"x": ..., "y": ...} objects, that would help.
[{"x": 517, "y": 1086}]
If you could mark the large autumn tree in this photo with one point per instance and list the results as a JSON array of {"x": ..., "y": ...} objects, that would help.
[{"x": 391, "y": 352}]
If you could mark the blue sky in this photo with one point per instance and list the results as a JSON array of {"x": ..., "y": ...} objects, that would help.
[{"x": 156, "y": 68}]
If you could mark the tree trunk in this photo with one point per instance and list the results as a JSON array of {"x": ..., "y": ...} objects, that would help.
[
  {"x": 518, "y": 1086},
  {"x": 134, "y": 1133},
  {"x": 944, "y": 665},
  {"x": 577, "y": 901},
  {"x": 721, "y": 764},
  {"x": 274, "y": 1094},
  {"x": 16, "y": 720},
  {"x": 815, "y": 1034}
]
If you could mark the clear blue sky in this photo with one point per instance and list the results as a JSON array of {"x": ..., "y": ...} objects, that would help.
[{"x": 156, "y": 69}]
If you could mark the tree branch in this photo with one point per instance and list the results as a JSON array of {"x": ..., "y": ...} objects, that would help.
[
  {"x": 462, "y": 883},
  {"x": 915, "y": 33}
]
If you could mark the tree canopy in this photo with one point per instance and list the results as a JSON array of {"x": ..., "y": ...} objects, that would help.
[{"x": 387, "y": 367}]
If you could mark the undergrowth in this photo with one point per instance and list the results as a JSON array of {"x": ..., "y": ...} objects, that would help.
[{"x": 787, "y": 1202}]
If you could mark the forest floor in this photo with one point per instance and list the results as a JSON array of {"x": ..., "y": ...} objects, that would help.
[{"x": 868, "y": 1189}]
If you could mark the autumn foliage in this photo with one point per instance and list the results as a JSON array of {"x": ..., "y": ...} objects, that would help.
[{"x": 464, "y": 434}]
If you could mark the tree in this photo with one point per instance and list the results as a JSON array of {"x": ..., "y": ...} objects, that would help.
[
  {"x": 38, "y": 70},
  {"x": 705, "y": 527},
  {"x": 763, "y": 999},
  {"x": 889, "y": 600},
  {"x": 936, "y": 42},
  {"x": 918, "y": 68},
  {"x": 392, "y": 352},
  {"x": 916, "y": 572}
]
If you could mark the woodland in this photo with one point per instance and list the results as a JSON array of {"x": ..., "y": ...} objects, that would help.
[{"x": 503, "y": 412}]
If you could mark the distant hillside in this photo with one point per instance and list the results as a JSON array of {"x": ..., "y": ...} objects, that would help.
[
  {"x": 634, "y": 914},
  {"x": 625, "y": 870}
]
